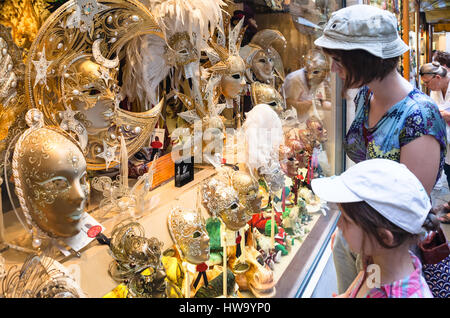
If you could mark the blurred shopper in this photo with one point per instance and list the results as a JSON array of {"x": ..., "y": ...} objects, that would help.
[{"x": 436, "y": 78}]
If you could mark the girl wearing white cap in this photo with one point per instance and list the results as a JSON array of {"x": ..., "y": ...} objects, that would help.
[
  {"x": 393, "y": 120},
  {"x": 382, "y": 216}
]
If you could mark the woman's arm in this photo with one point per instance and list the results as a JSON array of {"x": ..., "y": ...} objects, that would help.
[{"x": 422, "y": 157}]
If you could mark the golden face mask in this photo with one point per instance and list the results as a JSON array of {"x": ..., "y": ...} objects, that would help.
[
  {"x": 262, "y": 66},
  {"x": 233, "y": 81},
  {"x": 266, "y": 94},
  {"x": 50, "y": 177},
  {"x": 248, "y": 191},
  {"x": 222, "y": 201},
  {"x": 316, "y": 68},
  {"x": 180, "y": 50},
  {"x": 72, "y": 75},
  {"x": 188, "y": 231}
]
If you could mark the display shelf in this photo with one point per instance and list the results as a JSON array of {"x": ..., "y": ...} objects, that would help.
[{"x": 290, "y": 274}]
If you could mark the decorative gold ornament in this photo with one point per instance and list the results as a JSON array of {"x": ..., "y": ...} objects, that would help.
[
  {"x": 266, "y": 94},
  {"x": 76, "y": 57},
  {"x": 222, "y": 200},
  {"x": 188, "y": 231}
]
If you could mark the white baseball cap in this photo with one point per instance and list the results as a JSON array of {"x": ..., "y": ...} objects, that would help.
[
  {"x": 363, "y": 27},
  {"x": 386, "y": 185}
]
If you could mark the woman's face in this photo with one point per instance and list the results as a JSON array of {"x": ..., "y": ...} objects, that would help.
[
  {"x": 337, "y": 67},
  {"x": 431, "y": 81}
]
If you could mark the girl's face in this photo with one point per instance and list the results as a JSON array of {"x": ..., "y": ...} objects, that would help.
[{"x": 357, "y": 240}]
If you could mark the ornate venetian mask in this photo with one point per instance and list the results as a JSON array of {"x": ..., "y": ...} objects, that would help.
[
  {"x": 316, "y": 67},
  {"x": 248, "y": 190},
  {"x": 188, "y": 231},
  {"x": 180, "y": 50},
  {"x": 262, "y": 66},
  {"x": 233, "y": 80},
  {"x": 132, "y": 251},
  {"x": 72, "y": 72},
  {"x": 318, "y": 131},
  {"x": 293, "y": 154},
  {"x": 222, "y": 201},
  {"x": 267, "y": 94},
  {"x": 90, "y": 89},
  {"x": 50, "y": 177}
]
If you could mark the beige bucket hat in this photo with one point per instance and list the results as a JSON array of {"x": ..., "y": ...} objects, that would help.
[{"x": 363, "y": 27}]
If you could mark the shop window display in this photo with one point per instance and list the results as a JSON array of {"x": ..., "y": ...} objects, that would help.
[{"x": 238, "y": 87}]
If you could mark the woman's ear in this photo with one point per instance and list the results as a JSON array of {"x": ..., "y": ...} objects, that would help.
[{"x": 386, "y": 236}]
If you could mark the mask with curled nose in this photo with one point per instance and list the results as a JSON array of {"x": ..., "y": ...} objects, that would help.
[{"x": 222, "y": 200}]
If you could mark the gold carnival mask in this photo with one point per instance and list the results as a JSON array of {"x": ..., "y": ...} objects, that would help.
[
  {"x": 263, "y": 60},
  {"x": 179, "y": 50},
  {"x": 233, "y": 80},
  {"x": 222, "y": 201},
  {"x": 316, "y": 67},
  {"x": 248, "y": 190},
  {"x": 188, "y": 231},
  {"x": 266, "y": 94},
  {"x": 263, "y": 66},
  {"x": 50, "y": 177},
  {"x": 72, "y": 75}
]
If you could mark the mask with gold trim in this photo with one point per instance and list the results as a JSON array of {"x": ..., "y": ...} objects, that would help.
[
  {"x": 248, "y": 191},
  {"x": 188, "y": 231},
  {"x": 264, "y": 61},
  {"x": 80, "y": 49},
  {"x": 222, "y": 200},
  {"x": 316, "y": 67},
  {"x": 50, "y": 177},
  {"x": 267, "y": 94}
]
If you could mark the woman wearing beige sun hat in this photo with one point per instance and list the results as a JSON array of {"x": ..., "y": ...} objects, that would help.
[{"x": 393, "y": 120}]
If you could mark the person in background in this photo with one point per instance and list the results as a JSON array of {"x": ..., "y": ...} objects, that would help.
[
  {"x": 393, "y": 120},
  {"x": 436, "y": 78},
  {"x": 443, "y": 58},
  {"x": 381, "y": 226}
]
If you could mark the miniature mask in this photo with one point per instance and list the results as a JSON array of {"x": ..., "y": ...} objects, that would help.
[
  {"x": 318, "y": 131},
  {"x": 188, "y": 231},
  {"x": 293, "y": 154},
  {"x": 50, "y": 177},
  {"x": 222, "y": 201},
  {"x": 137, "y": 259}
]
